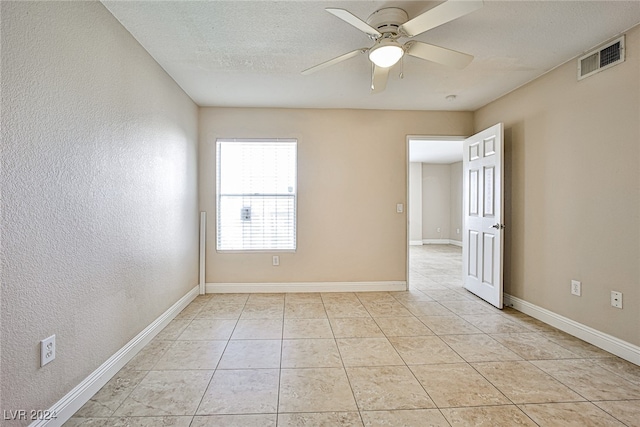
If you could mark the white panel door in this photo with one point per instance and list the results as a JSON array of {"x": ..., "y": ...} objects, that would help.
[{"x": 482, "y": 240}]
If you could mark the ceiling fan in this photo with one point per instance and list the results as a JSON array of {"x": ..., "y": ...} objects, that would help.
[{"x": 386, "y": 26}]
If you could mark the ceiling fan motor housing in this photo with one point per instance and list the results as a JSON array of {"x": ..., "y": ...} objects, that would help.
[{"x": 388, "y": 20}]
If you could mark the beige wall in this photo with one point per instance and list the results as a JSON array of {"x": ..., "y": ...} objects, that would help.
[
  {"x": 415, "y": 203},
  {"x": 99, "y": 204},
  {"x": 352, "y": 170},
  {"x": 573, "y": 192},
  {"x": 455, "y": 219},
  {"x": 436, "y": 199},
  {"x": 442, "y": 201}
]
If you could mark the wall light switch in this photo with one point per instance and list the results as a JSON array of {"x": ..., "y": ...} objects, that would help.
[
  {"x": 276, "y": 260},
  {"x": 399, "y": 208}
]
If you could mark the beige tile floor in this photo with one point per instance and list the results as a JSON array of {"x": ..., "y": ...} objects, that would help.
[{"x": 433, "y": 356}]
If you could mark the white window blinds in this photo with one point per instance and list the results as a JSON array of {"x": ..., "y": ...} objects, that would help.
[{"x": 256, "y": 194}]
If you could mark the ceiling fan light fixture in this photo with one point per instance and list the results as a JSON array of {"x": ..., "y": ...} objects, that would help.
[{"x": 386, "y": 53}]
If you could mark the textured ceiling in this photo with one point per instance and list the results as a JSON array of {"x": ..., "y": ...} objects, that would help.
[{"x": 251, "y": 53}]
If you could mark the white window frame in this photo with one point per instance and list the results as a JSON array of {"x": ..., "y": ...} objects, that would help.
[{"x": 220, "y": 141}]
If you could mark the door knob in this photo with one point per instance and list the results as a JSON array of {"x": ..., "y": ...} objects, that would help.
[{"x": 498, "y": 226}]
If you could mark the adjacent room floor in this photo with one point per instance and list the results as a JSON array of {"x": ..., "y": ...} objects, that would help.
[{"x": 433, "y": 356}]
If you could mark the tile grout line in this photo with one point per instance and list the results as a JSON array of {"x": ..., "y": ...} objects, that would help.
[{"x": 219, "y": 360}]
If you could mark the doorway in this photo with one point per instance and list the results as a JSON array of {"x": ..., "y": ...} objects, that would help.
[{"x": 434, "y": 209}]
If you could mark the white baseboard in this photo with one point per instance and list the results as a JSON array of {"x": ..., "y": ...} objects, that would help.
[
  {"x": 600, "y": 339},
  {"x": 415, "y": 242},
  {"x": 214, "y": 288},
  {"x": 435, "y": 241},
  {"x": 441, "y": 242},
  {"x": 72, "y": 401}
]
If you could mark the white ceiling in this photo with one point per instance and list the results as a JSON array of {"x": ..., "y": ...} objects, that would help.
[{"x": 251, "y": 53}]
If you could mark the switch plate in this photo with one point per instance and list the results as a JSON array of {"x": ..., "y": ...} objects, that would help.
[
  {"x": 276, "y": 260},
  {"x": 399, "y": 208},
  {"x": 47, "y": 350},
  {"x": 576, "y": 288},
  {"x": 616, "y": 299}
]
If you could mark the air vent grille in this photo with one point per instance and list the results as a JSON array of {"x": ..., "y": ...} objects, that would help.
[
  {"x": 590, "y": 64},
  {"x": 610, "y": 54},
  {"x": 602, "y": 58}
]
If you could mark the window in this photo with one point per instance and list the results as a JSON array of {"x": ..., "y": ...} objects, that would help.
[{"x": 256, "y": 195}]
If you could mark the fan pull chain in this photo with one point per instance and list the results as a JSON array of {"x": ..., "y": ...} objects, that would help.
[{"x": 402, "y": 67}]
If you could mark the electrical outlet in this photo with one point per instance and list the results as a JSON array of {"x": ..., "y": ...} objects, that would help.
[
  {"x": 47, "y": 350},
  {"x": 438, "y": 229},
  {"x": 457, "y": 231},
  {"x": 576, "y": 288},
  {"x": 276, "y": 260},
  {"x": 616, "y": 299}
]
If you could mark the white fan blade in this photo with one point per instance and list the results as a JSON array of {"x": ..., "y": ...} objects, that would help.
[
  {"x": 438, "y": 54},
  {"x": 439, "y": 15},
  {"x": 379, "y": 79},
  {"x": 334, "y": 61},
  {"x": 350, "y": 18}
]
